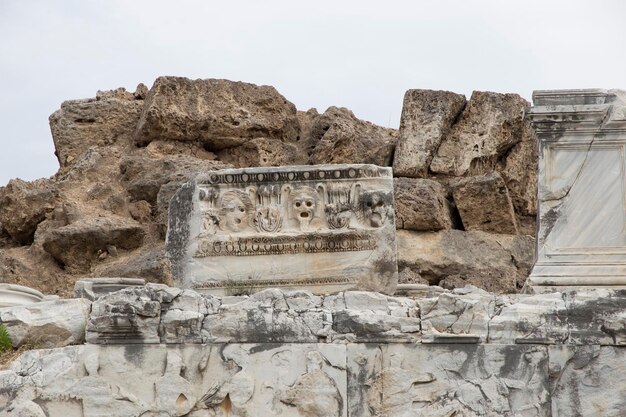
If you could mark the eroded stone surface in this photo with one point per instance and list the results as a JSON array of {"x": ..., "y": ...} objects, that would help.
[
  {"x": 452, "y": 258},
  {"x": 519, "y": 171},
  {"x": 542, "y": 318},
  {"x": 427, "y": 117},
  {"x": 444, "y": 380},
  {"x": 466, "y": 311},
  {"x": 484, "y": 204},
  {"x": 490, "y": 125},
  {"x": 264, "y": 152},
  {"x": 204, "y": 380},
  {"x": 464, "y": 351},
  {"x": 24, "y": 205},
  {"x": 421, "y": 204},
  {"x": 587, "y": 380},
  {"x": 78, "y": 125},
  {"x": 80, "y": 242},
  {"x": 596, "y": 316},
  {"x": 341, "y": 138},
  {"x": 160, "y": 314},
  {"x": 324, "y": 228},
  {"x": 155, "y": 313},
  {"x": 217, "y": 113},
  {"x": 144, "y": 176}
]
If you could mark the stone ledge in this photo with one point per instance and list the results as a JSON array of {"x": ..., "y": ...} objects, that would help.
[
  {"x": 154, "y": 314},
  {"x": 159, "y": 314}
]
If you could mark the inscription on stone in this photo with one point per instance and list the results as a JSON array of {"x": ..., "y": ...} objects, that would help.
[{"x": 323, "y": 228}]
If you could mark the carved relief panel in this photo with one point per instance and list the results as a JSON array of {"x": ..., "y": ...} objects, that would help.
[{"x": 323, "y": 228}]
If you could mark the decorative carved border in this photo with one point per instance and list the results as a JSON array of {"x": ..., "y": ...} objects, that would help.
[
  {"x": 268, "y": 283},
  {"x": 248, "y": 177},
  {"x": 278, "y": 245}
]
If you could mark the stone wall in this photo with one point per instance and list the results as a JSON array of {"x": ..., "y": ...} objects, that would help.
[
  {"x": 465, "y": 178},
  {"x": 162, "y": 351}
]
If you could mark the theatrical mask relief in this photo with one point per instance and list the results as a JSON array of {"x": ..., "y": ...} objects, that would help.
[{"x": 292, "y": 210}]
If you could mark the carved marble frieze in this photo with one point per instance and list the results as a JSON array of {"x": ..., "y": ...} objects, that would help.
[
  {"x": 323, "y": 228},
  {"x": 581, "y": 236}
]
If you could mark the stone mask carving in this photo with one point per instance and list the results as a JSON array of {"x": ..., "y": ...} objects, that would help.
[
  {"x": 211, "y": 214},
  {"x": 235, "y": 211},
  {"x": 304, "y": 206},
  {"x": 375, "y": 206}
]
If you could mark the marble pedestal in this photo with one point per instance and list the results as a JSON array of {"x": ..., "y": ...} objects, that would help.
[{"x": 581, "y": 238}]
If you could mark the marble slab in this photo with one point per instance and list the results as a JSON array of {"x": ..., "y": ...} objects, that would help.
[
  {"x": 587, "y": 380},
  {"x": 582, "y": 187},
  {"x": 447, "y": 379},
  {"x": 226, "y": 380},
  {"x": 324, "y": 228}
]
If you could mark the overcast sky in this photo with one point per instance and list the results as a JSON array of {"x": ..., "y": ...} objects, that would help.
[{"x": 358, "y": 54}]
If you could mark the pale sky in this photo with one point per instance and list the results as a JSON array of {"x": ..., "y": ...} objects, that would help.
[{"x": 358, "y": 54}]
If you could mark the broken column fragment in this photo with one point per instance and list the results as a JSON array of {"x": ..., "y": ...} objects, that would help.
[
  {"x": 582, "y": 197},
  {"x": 323, "y": 228}
]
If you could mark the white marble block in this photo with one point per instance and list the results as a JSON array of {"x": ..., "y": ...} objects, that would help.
[
  {"x": 324, "y": 228},
  {"x": 582, "y": 187}
]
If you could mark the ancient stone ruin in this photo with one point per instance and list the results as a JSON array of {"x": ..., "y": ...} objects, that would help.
[
  {"x": 323, "y": 228},
  {"x": 207, "y": 250}
]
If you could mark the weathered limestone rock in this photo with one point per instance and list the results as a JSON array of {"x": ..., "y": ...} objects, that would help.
[
  {"x": 581, "y": 195},
  {"x": 143, "y": 177},
  {"x": 149, "y": 263},
  {"x": 217, "y": 113},
  {"x": 108, "y": 119},
  {"x": 263, "y": 152},
  {"x": 47, "y": 323},
  {"x": 427, "y": 117},
  {"x": 587, "y": 380},
  {"x": 496, "y": 263},
  {"x": 25, "y": 265},
  {"x": 324, "y": 228},
  {"x": 421, "y": 204},
  {"x": 23, "y": 205},
  {"x": 445, "y": 380},
  {"x": 519, "y": 170},
  {"x": 341, "y": 138},
  {"x": 408, "y": 276},
  {"x": 78, "y": 244},
  {"x": 484, "y": 204},
  {"x": 489, "y": 126},
  {"x": 159, "y": 149},
  {"x": 305, "y": 140}
]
